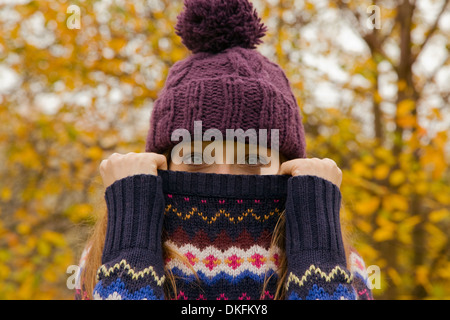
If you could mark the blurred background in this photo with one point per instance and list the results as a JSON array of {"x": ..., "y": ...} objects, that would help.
[{"x": 78, "y": 80}]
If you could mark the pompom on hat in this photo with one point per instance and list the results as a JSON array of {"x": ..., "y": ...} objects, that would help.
[
  {"x": 214, "y": 26},
  {"x": 225, "y": 82}
]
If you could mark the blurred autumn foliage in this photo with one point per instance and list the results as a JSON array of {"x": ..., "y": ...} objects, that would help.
[{"x": 374, "y": 100}]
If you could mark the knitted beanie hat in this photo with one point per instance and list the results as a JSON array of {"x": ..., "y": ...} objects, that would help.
[{"x": 225, "y": 83}]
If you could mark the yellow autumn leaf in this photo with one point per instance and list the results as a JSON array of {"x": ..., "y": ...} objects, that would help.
[
  {"x": 393, "y": 202},
  {"x": 383, "y": 234},
  {"x": 386, "y": 230},
  {"x": 5, "y": 194},
  {"x": 95, "y": 153},
  {"x": 397, "y": 177},
  {"x": 23, "y": 228},
  {"x": 405, "y": 107},
  {"x": 44, "y": 248},
  {"x": 404, "y": 234},
  {"x": 405, "y": 117},
  {"x": 411, "y": 221},
  {"x": 385, "y": 156},
  {"x": 79, "y": 212},
  {"x": 64, "y": 258},
  {"x": 360, "y": 169},
  {"x": 117, "y": 44},
  {"x": 421, "y": 188},
  {"x": 177, "y": 53},
  {"x": 395, "y": 276},
  {"x": 309, "y": 6},
  {"x": 443, "y": 197},
  {"x": 5, "y": 272},
  {"x": 422, "y": 277},
  {"x": 368, "y": 159},
  {"x": 407, "y": 121},
  {"x": 31, "y": 242},
  {"x": 437, "y": 237},
  {"x": 368, "y": 206},
  {"x": 25, "y": 289},
  {"x": 54, "y": 238},
  {"x": 381, "y": 171},
  {"x": 368, "y": 252},
  {"x": 364, "y": 226},
  {"x": 20, "y": 213},
  {"x": 444, "y": 271},
  {"x": 434, "y": 160},
  {"x": 50, "y": 275},
  {"x": 401, "y": 85},
  {"x": 399, "y": 215},
  {"x": 377, "y": 97},
  {"x": 439, "y": 215},
  {"x": 28, "y": 157}
]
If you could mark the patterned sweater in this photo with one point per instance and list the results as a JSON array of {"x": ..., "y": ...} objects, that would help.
[{"x": 223, "y": 225}]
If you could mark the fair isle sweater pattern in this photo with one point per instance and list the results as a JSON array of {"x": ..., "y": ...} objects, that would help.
[{"x": 222, "y": 225}]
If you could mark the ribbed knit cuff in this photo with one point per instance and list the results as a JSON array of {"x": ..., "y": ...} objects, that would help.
[
  {"x": 313, "y": 229},
  {"x": 135, "y": 216},
  {"x": 224, "y": 185}
]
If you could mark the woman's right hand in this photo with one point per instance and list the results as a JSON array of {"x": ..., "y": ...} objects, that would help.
[{"x": 119, "y": 166}]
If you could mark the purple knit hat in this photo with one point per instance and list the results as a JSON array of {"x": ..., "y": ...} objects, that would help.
[{"x": 225, "y": 83}]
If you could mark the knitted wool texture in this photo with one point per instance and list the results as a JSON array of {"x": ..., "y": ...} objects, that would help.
[
  {"x": 224, "y": 232},
  {"x": 222, "y": 225},
  {"x": 226, "y": 83}
]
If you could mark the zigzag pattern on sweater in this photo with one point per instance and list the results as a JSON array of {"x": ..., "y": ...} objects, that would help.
[
  {"x": 210, "y": 261},
  {"x": 337, "y": 273},
  {"x": 221, "y": 214},
  {"x": 117, "y": 291},
  {"x": 222, "y": 239},
  {"x": 319, "y": 293},
  {"x": 226, "y": 243},
  {"x": 223, "y": 276},
  {"x": 129, "y": 270}
]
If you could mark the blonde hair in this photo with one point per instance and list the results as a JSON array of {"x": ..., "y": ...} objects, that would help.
[{"x": 97, "y": 239}]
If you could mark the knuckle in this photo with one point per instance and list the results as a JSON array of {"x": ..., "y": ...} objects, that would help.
[
  {"x": 160, "y": 156},
  {"x": 102, "y": 166},
  {"x": 331, "y": 163},
  {"x": 114, "y": 156}
]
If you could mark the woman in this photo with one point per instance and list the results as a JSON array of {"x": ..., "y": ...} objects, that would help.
[{"x": 259, "y": 223}]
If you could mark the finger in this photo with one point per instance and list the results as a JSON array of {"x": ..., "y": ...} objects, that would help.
[
  {"x": 102, "y": 167},
  {"x": 292, "y": 167},
  {"x": 284, "y": 168},
  {"x": 115, "y": 155},
  {"x": 331, "y": 161},
  {"x": 158, "y": 162},
  {"x": 161, "y": 162}
]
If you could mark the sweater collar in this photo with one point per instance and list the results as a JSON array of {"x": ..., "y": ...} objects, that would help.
[{"x": 224, "y": 185}]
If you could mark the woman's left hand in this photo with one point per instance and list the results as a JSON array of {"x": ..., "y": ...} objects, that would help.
[{"x": 322, "y": 168}]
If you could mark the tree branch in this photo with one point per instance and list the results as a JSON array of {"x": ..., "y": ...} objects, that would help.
[
  {"x": 373, "y": 41},
  {"x": 431, "y": 32}
]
